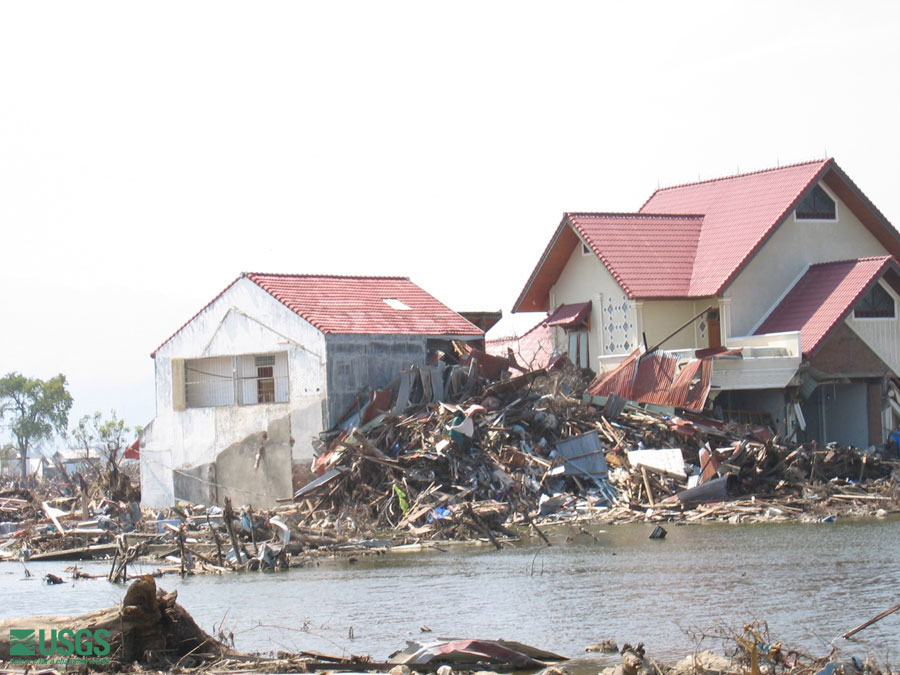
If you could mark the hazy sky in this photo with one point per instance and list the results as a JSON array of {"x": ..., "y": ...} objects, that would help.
[{"x": 150, "y": 152}]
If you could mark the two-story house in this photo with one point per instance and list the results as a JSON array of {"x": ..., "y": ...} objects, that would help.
[{"x": 792, "y": 270}]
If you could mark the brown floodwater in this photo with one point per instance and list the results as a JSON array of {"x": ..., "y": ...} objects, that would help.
[{"x": 810, "y": 582}]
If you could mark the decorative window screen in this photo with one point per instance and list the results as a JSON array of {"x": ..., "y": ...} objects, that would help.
[
  {"x": 876, "y": 304},
  {"x": 817, "y": 205}
]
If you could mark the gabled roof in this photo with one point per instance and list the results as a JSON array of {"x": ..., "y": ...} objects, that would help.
[
  {"x": 648, "y": 255},
  {"x": 339, "y": 304},
  {"x": 357, "y": 305},
  {"x": 658, "y": 253},
  {"x": 739, "y": 214},
  {"x": 823, "y": 297}
]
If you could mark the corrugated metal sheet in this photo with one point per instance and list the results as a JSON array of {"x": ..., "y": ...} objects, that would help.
[
  {"x": 584, "y": 456},
  {"x": 654, "y": 380}
]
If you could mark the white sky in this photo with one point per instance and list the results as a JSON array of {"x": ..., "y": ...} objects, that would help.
[{"x": 150, "y": 152}]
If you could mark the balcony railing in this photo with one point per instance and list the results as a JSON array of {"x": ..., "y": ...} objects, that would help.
[{"x": 766, "y": 361}]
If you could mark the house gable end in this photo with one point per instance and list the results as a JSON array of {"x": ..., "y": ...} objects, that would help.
[{"x": 241, "y": 297}]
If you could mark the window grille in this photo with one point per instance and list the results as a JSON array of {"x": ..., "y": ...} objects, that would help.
[{"x": 237, "y": 380}]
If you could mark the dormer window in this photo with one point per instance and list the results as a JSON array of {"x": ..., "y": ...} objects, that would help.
[
  {"x": 817, "y": 205},
  {"x": 876, "y": 304}
]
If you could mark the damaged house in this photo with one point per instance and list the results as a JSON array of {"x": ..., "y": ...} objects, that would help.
[
  {"x": 772, "y": 293},
  {"x": 244, "y": 386}
]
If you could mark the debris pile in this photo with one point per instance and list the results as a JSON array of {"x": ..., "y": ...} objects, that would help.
[
  {"x": 409, "y": 468},
  {"x": 536, "y": 448}
]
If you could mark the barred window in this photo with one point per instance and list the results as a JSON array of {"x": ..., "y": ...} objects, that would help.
[{"x": 236, "y": 380}]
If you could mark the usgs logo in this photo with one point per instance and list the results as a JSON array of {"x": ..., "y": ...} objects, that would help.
[{"x": 65, "y": 642}]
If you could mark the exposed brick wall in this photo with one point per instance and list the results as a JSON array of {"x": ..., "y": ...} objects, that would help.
[{"x": 843, "y": 352}]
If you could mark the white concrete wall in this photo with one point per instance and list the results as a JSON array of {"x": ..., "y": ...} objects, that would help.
[
  {"x": 613, "y": 318},
  {"x": 882, "y": 335},
  {"x": 784, "y": 257},
  {"x": 244, "y": 320}
]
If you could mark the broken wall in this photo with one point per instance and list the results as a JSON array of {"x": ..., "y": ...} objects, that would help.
[
  {"x": 357, "y": 362},
  {"x": 258, "y": 469},
  {"x": 243, "y": 320}
]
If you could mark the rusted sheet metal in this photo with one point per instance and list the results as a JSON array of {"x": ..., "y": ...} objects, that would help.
[{"x": 653, "y": 379}]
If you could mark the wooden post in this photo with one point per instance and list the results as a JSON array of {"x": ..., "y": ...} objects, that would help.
[
  {"x": 228, "y": 515},
  {"x": 868, "y": 623},
  {"x": 531, "y": 522},
  {"x": 647, "y": 485},
  {"x": 252, "y": 530},
  {"x": 219, "y": 557},
  {"x": 481, "y": 527},
  {"x": 181, "y": 551}
]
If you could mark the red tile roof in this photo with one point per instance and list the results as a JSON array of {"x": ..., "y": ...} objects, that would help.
[
  {"x": 649, "y": 255},
  {"x": 339, "y": 304},
  {"x": 823, "y": 297},
  {"x": 739, "y": 214},
  {"x": 356, "y": 305},
  {"x": 658, "y": 253}
]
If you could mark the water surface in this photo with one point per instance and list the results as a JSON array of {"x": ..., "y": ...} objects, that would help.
[{"x": 810, "y": 582}]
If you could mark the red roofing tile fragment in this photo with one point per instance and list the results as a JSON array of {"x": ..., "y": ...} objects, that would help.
[{"x": 823, "y": 297}]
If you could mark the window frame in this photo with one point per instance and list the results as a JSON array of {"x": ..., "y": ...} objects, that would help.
[
  {"x": 890, "y": 293},
  {"x": 837, "y": 213},
  {"x": 264, "y": 374}
]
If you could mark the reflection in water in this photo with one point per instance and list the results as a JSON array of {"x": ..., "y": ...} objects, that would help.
[{"x": 810, "y": 582}]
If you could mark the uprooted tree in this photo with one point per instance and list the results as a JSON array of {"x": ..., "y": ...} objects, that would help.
[
  {"x": 32, "y": 409},
  {"x": 107, "y": 439}
]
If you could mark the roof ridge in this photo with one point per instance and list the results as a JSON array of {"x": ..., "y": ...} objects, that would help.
[
  {"x": 820, "y": 160},
  {"x": 322, "y": 276},
  {"x": 636, "y": 215}
]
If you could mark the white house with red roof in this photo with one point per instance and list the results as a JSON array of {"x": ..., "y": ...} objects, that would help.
[
  {"x": 245, "y": 385},
  {"x": 788, "y": 275}
]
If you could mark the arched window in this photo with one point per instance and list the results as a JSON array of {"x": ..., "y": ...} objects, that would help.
[
  {"x": 876, "y": 304},
  {"x": 817, "y": 205}
]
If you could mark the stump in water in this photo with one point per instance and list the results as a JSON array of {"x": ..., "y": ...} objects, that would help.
[{"x": 149, "y": 627}]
